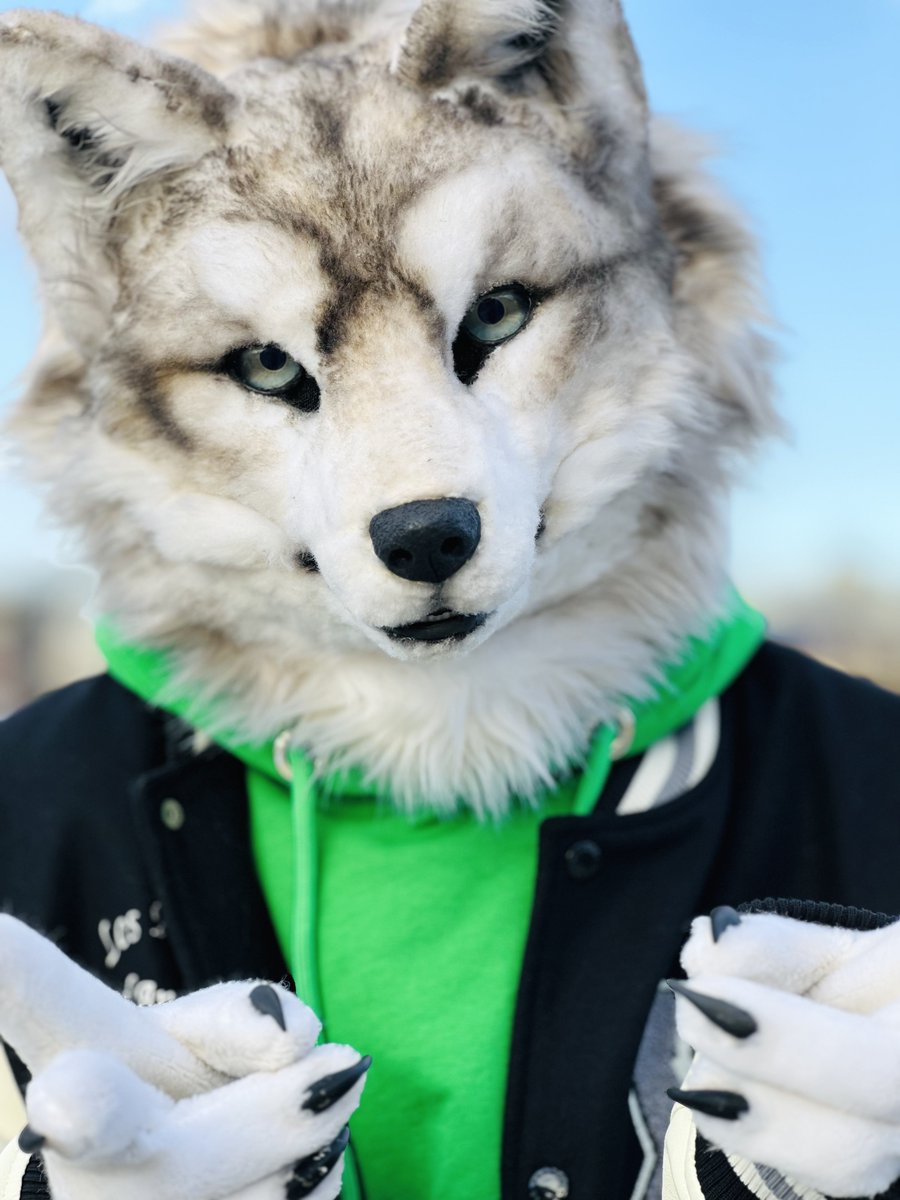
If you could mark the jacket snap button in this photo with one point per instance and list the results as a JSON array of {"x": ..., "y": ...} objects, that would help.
[
  {"x": 583, "y": 859},
  {"x": 548, "y": 1183},
  {"x": 171, "y": 813}
]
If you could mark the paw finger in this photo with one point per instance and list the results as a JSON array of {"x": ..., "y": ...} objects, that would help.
[
  {"x": 220, "y": 1142},
  {"x": 89, "y": 1109},
  {"x": 316, "y": 1177},
  {"x": 834, "y": 1152},
  {"x": 319, "y": 1176},
  {"x": 239, "y": 1028},
  {"x": 50, "y": 1004},
  {"x": 778, "y": 951},
  {"x": 869, "y": 977},
  {"x": 793, "y": 1044}
]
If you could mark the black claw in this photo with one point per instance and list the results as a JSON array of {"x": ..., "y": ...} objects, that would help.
[
  {"x": 330, "y": 1088},
  {"x": 720, "y": 919},
  {"x": 265, "y": 999},
  {"x": 727, "y": 1106},
  {"x": 727, "y": 1016},
  {"x": 30, "y": 1142},
  {"x": 309, "y": 1172}
]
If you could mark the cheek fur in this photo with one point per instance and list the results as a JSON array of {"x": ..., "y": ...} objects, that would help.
[{"x": 195, "y": 528}]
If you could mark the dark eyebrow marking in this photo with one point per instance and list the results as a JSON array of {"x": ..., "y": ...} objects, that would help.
[
  {"x": 145, "y": 385},
  {"x": 328, "y": 125}
]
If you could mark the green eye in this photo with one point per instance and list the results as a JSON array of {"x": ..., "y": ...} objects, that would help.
[
  {"x": 497, "y": 315},
  {"x": 271, "y": 371},
  {"x": 266, "y": 368}
]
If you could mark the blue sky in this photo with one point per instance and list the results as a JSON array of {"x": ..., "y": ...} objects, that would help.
[{"x": 804, "y": 97}]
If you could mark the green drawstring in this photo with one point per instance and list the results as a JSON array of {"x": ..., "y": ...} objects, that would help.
[
  {"x": 304, "y": 955},
  {"x": 304, "y": 932}
]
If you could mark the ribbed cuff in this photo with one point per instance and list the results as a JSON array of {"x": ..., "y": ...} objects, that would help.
[
  {"x": 819, "y": 912},
  {"x": 34, "y": 1181}
]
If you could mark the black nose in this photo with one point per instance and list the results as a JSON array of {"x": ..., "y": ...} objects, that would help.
[{"x": 426, "y": 540}]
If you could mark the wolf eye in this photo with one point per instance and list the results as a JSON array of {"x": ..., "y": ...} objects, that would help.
[
  {"x": 492, "y": 320},
  {"x": 271, "y": 371},
  {"x": 497, "y": 315}
]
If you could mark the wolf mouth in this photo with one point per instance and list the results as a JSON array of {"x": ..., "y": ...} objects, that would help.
[{"x": 440, "y": 626}]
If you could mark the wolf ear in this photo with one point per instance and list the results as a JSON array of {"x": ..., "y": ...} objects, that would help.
[
  {"x": 86, "y": 115},
  {"x": 578, "y": 50}
]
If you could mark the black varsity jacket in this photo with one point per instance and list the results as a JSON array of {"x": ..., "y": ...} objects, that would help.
[{"x": 132, "y": 852}]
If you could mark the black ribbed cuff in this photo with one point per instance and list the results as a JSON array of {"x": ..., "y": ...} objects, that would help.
[
  {"x": 819, "y": 912},
  {"x": 34, "y": 1181}
]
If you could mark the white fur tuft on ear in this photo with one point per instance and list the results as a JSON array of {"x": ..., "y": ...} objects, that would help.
[{"x": 85, "y": 116}]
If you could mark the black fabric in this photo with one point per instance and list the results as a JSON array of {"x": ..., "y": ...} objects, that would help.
[
  {"x": 802, "y": 800},
  {"x": 34, "y": 1182},
  {"x": 891, "y": 1193},
  {"x": 87, "y": 859},
  {"x": 846, "y": 916},
  {"x": 21, "y": 1074},
  {"x": 715, "y": 1174},
  {"x": 596, "y": 951}
]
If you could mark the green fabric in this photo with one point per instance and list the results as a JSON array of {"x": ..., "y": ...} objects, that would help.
[
  {"x": 448, "y": 900},
  {"x": 382, "y": 917}
]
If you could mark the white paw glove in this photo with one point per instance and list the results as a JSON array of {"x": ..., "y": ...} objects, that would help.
[
  {"x": 797, "y": 1032},
  {"x": 221, "y": 1093}
]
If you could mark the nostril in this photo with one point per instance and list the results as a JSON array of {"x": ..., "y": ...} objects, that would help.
[
  {"x": 453, "y": 547},
  {"x": 399, "y": 558}
]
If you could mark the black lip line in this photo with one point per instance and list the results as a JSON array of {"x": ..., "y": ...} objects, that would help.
[{"x": 456, "y": 627}]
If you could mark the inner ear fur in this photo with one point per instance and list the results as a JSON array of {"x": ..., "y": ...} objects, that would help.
[
  {"x": 446, "y": 39},
  {"x": 85, "y": 117},
  {"x": 576, "y": 55}
]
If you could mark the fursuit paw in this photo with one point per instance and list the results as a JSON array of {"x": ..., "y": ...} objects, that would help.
[
  {"x": 200, "y": 1041},
  {"x": 222, "y": 1092},
  {"x": 797, "y": 1033},
  {"x": 103, "y": 1132}
]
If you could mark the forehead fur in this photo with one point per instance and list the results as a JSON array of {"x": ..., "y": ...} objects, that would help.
[{"x": 339, "y": 161}]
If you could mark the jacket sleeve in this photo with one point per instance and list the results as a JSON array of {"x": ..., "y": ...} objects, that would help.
[{"x": 679, "y": 1179}]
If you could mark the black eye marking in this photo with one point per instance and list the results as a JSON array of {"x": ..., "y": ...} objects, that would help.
[
  {"x": 493, "y": 319},
  {"x": 270, "y": 371}
]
